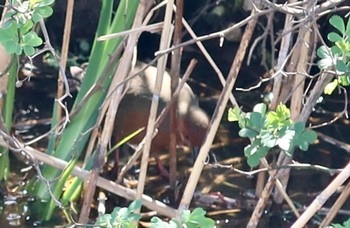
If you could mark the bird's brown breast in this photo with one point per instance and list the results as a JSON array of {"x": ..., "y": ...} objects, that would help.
[{"x": 133, "y": 112}]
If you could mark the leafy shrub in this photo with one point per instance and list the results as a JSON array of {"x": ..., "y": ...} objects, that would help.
[
  {"x": 337, "y": 56},
  {"x": 345, "y": 224},
  {"x": 267, "y": 130},
  {"x": 121, "y": 217},
  {"x": 194, "y": 219},
  {"x": 16, "y": 33},
  {"x": 126, "y": 218}
]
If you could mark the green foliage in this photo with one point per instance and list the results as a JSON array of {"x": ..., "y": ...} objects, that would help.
[
  {"x": 268, "y": 130},
  {"x": 158, "y": 223},
  {"x": 121, "y": 217},
  {"x": 346, "y": 224},
  {"x": 16, "y": 34},
  {"x": 189, "y": 219},
  {"x": 126, "y": 218},
  {"x": 7, "y": 115},
  {"x": 74, "y": 137},
  {"x": 337, "y": 56}
]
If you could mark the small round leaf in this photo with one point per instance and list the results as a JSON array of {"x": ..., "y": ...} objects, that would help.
[
  {"x": 247, "y": 133},
  {"x": 334, "y": 37},
  {"x": 338, "y": 23}
]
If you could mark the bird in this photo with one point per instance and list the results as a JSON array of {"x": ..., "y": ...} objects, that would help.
[{"x": 134, "y": 109}]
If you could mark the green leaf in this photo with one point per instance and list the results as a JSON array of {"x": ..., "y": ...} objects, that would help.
[
  {"x": 286, "y": 141},
  {"x": 121, "y": 217},
  {"x": 115, "y": 211},
  {"x": 242, "y": 122},
  {"x": 104, "y": 221},
  {"x": 158, "y": 223},
  {"x": 24, "y": 7},
  {"x": 197, "y": 219},
  {"x": 135, "y": 205},
  {"x": 271, "y": 118},
  {"x": 123, "y": 212},
  {"x": 262, "y": 151},
  {"x": 46, "y": 2},
  {"x": 34, "y": 4},
  {"x": 255, "y": 121},
  {"x": 341, "y": 66},
  {"x": 282, "y": 111},
  {"x": 28, "y": 50},
  {"x": 343, "y": 46},
  {"x": 8, "y": 35},
  {"x": 335, "y": 51},
  {"x": 338, "y": 23},
  {"x": 185, "y": 215},
  {"x": 267, "y": 139},
  {"x": 26, "y": 27},
  {"x": 255, "y": 152},
  {"x": 324, "y": 64},
  {"x": 338, "y": 226},
  {"x": 303, "y": 145},
  {"x": 7, "y": 24},
  {"x": 198, "y": 212},
  {"x": 279, "y": 118},
  {"x": 32, "y": 39},
  {"x": 253, "y": 161},
  {"x": 34, "y": 42},
  {"x": 247, "y": 133},
  {"x": 260, "y": 108},
  {"x": 299, "y": 127},
  {"x": 347, "y": 53},
  {"x": 250, "y": 150},
  {"x": 309, "y": 136},
  {"x": 13, "y": 47},
  {"x": 344, "y": 80},
  {"x": 330, "y": 87},
  {"x": 234, "y": 114},
  {"x": 304, "y": 138},
  {"x": 334, "y": 37},
  {"x": 347, "y": 222},
  {"x": 36, "y": 17},
  {"x": 324, "y": 52},
  {"x": 45, "y": 11},
  {"x": 134, "y": 217},
  {"x": 326, "y": 57}
]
